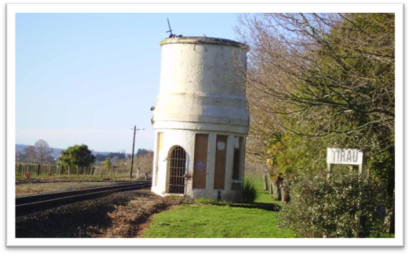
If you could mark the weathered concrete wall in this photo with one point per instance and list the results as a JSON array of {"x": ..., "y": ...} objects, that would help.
[
  {"x": 202, "y": 86},
  {"x": 201, "y": 91}
]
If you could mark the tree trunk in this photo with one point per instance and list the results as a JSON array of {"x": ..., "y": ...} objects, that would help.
[
  {"x": 285, "y": 194},
  {"x": 276, "y": 192},
  {"x": 265, "y": 182}
]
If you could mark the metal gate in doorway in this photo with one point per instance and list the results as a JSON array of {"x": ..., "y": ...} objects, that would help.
[{"x": 177, "y": 170}]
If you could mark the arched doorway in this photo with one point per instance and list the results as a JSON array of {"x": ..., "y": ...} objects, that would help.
[{"x": 177, "y": 170}]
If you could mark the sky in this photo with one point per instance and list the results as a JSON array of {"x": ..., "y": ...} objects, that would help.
[{"x": 89, "y": 78}]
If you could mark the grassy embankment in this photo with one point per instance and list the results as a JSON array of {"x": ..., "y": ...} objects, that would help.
[{"x": 205, "y": 220}]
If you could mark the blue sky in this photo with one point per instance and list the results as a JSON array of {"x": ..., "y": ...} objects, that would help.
[{"x": 89, "y": 78}]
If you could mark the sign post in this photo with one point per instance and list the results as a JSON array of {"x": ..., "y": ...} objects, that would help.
[{"x": 345, "y": 157}]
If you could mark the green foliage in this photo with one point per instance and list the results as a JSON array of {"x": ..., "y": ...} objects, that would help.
[
  {"x": 331, "y": 207},
  {"x": 342, "y": 97},
  {"x": 292, "y": 154},
  {"x": 107, "y": 163},
  {"x": 77, "y": 155},
  {"x": 249, "y": 192}
]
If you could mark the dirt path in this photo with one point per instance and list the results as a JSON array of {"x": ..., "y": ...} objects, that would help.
[{"x": 131, "y": 219}]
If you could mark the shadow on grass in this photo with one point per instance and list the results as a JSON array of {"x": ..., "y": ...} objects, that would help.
[{"x": 264, "y": 206}]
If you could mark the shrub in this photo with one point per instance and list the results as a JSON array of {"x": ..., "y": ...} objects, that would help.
[
  {"x": 249, "y": 192},
  {"x": 332, "y": 207}
]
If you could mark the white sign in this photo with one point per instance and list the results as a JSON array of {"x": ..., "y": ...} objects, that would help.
[{"x": 344, "y": 156}]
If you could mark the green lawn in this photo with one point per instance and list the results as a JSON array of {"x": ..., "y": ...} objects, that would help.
[
  {"x": 263, "y": 196},
  {"x": 204, "y": 220},
  {"x": 214, "y": 221}
]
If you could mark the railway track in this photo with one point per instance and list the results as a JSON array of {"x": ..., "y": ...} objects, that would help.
[{"x": 29, "y": 204}]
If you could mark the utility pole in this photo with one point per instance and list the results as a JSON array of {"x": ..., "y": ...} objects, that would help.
[{"x": 133, "y": 145}]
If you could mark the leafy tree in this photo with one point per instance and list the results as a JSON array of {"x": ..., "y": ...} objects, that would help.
[
  {"x": 321, "y": 74},
  {"x": 77, "y": 155},
  {"x": 322, "y": 80},
  {"x": 142, "y": 152},
  {"x": 107, "y": 163}
]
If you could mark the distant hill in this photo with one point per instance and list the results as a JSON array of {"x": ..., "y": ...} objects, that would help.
[{"x": 57, "y": 151}]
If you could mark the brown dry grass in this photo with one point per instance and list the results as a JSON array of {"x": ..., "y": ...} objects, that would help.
[
  {"x": 39, "y": 188},
  {"x": 129, "y": 220}
]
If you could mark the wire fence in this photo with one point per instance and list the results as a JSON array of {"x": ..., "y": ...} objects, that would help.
[{"x": 42, "y": 170}]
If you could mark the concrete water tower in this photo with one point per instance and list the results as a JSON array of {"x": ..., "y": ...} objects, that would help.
[{"x": 201, "y": 119}]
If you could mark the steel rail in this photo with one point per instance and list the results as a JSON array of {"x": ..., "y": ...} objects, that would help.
[{"x": 29, "y": 204}]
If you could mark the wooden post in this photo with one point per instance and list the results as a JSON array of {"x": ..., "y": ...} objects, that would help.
[
  {"x": 329, "y": 170},
  {"x": 362, "y": 170},
  {"x": 132, "y": 155}
]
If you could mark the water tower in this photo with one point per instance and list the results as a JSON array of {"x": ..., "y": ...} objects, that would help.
[{"x": 201, "y": 119}]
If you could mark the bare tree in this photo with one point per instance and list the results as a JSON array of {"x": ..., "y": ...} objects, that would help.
[
  {"x": 30, "y": 154},
  {"x": 43, "y": 151},
  {"x": 325, "y": 77},
  {"x": 334, "y": 72}
]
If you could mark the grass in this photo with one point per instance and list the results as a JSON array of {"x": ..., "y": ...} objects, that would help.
[
  {"x": 263, "y": 195},
  {"x": 207, "y": 219},
  {"x": 212, "y": 221}
]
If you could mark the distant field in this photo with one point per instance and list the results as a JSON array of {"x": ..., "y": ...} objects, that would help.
[
  {"x": 79, "y": 178},
  {"x": 62, "y": 173},
  {"x": 39, "y": 188}
]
